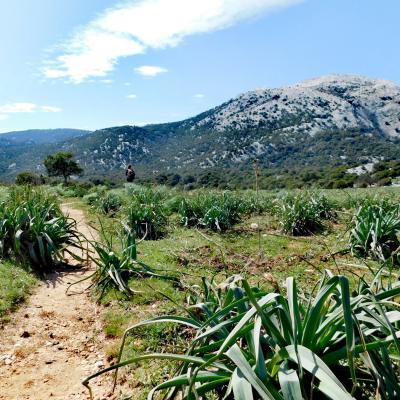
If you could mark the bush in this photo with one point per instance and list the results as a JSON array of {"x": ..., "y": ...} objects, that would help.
[
  {"x": 304, "y": 213},
  {"x": 91, "y": 198},
  {"x": 29, "y": 178},
  {"x": 108, "y": 203},
  {"x": 115, "y": 265},
  {"x": 247, "y": 343},
  {"x": 375, "y": 231},
  {"x": 146, "y": 213},
  {"x": 33, "y": 229},
  {"x": 218, "y": 212}
]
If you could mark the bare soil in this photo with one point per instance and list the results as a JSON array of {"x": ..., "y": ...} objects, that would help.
[{"x": 55, "y": 340}]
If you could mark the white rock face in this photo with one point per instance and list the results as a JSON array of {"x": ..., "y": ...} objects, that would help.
[{"x": 326, "y": 103}]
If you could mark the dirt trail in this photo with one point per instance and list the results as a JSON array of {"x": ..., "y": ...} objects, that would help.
[{"x": 54, "y": 340}]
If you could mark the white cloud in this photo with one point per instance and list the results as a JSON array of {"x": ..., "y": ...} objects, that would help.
[
  {"x": 199, "y": 96},
  {"x": 137, "y": 25},
  {"x": 107, "y": 81},
  {"x": 150, "y": 70},
  {"x": 50, "y": 109},
  {"x": 12, "y": 108},
  {"x": 131, "y": 96},
  {"x": 91, "y": 53},
  {"x": 24, "y": 108}
]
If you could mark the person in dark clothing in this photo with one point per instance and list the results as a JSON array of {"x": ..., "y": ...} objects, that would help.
[{"x": 130, "y": 173}]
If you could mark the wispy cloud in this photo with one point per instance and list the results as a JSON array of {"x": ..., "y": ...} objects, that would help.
[
  {"x": 137, "y": 25},
  {"x": 12, "y": 108},
  {"x": 50, "y": 109},
  {"x": 150, "y": 70},
  {"x": 131, "y": 96},
  {"x": 199, "y": 96},
  {"x": 24, "y": 108}
]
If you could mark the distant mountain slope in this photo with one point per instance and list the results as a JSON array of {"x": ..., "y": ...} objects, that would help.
[
  {"x": 40, "y": 136},
  {"x": 328, "y": 121}
]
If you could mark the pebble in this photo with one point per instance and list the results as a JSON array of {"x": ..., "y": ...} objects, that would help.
[
  {"x": 99, "y": 364},
  {"x": 25, "y": 334},
  {"x": 8, "y": 361}
]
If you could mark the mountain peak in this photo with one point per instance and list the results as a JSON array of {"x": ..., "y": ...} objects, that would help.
[
  {"x": 330, "y": 120},
  {"x": 331, "y": 102},
  {"x": 344, "y": 79}
]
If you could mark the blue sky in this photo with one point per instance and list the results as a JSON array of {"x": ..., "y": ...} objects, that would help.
[{"x": 97, "y": 63}]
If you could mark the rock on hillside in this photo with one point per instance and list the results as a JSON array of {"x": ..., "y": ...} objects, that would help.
[{"x": 333, "y": 102}]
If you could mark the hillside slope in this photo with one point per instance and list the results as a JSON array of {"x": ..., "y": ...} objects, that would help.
[
  {"x": 332, "y": 120},
  {"x": 39, "y": 136}
]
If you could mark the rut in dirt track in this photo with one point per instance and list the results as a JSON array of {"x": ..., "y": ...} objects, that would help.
[{"x": 55, "y": 340}]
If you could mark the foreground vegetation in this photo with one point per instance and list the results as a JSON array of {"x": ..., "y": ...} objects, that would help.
[
  {"x": 248, "y": 294},
  {"x": 279, "y": 327},
  {"x": 34, "y": 237},
  {"x": 15, "y": 285}
]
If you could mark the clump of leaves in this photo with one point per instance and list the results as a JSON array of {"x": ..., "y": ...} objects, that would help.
[
  {"x": 304, "y": 213},
  {"x": 33, "y": 229},
  {"x": 146, "y": 213},
  {"x": 218, "y": 212},
  {"x": 251, "y": 344},
  {"x": 109, "y": 203},
  {"x": 375, "y": 231},
  {"x": 117, "y": 262}
]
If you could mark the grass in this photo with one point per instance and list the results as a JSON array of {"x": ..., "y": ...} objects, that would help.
[{"x": 15, "y": 286}]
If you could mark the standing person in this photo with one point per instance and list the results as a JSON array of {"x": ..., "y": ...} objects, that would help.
[{"x": 130, "y": 173}]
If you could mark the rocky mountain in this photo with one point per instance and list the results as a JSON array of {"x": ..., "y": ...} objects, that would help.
[
  {"x": 329, "y": 121},
  {"x": 331, "y": 102}
]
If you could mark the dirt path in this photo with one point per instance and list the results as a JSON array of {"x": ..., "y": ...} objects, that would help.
[{"x": 55, "y": 340}]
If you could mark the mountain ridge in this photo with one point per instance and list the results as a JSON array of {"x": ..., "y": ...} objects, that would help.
[{"x": 326, "y": 121}]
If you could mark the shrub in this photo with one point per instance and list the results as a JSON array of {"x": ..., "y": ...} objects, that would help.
[
  {"x": 34, "y": 229},
  {"x": 28, "y": 178},
  {"x": 91, "y": 198},
  {"x": 218, "y": 212},
  {"x": 248, "y": 343},
  {"x": 116, "y": 264},
  {"x": 375, "y": 231},
  {"x": 146, "y": 213},
  {"x": 304, "y": 213},
  {"x": 108, "y": 203}
]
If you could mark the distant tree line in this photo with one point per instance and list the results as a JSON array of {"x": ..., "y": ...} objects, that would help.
[{"x": 63, "y": 165}]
